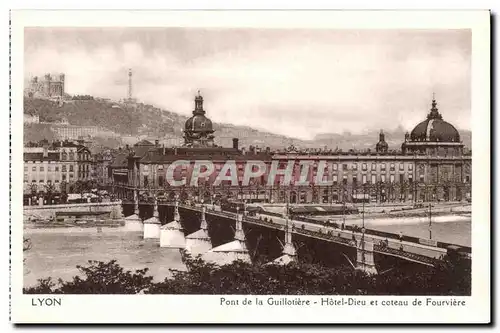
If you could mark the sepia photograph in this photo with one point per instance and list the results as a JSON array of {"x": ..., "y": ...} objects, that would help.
[{"x": 248, "y": 160}]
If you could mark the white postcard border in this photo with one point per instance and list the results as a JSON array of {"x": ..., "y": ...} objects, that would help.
[{"x": 204, "y": 309}]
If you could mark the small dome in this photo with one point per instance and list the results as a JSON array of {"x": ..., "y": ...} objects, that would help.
[
  {"x": 381, "y": 146},
  {"x": 435, "y": 129}
]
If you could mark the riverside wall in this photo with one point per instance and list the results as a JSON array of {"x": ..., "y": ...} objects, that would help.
[{"x": 49, "y": 211}]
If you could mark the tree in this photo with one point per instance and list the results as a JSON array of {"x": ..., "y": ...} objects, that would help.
[
  {"x": 63, "y": 186},
  {"x": 63, "y": 190},
  {"x": 98, "y": 278},
  {"x": 49, "y": 192},
  {"x": 452, "y": 277},
  {"x": 403, "y": 188},
  {"x": 33, "y": 187},
  {"x": 78, "y": 187},
  {"x": 390, "y": 190}
]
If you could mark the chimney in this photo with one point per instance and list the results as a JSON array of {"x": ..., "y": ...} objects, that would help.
[
  {"x": 157, "y": 143},
  {"x": 45, "y": 151},
  {"x": 235, "y": 143}
]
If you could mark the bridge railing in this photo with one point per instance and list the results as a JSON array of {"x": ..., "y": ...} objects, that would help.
[
  {"x": 329, "y": 235},
  {"x": 388, "y": 235},
  {"x": 401, "y": 253},
  {"x": 376, "y": 247}
]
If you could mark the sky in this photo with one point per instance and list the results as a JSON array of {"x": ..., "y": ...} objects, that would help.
[{"x": 298, "y": 83}]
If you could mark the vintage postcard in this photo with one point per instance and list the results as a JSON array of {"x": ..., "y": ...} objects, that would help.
[{"x": 250, "y": 167}]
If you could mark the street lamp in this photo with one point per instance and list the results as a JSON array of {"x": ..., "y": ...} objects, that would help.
[
  {"x": 363, "y": 228},
  {"x": 430, "y": 220},
  {"x": 287, "y": 207},
  {"x": 364, "y": 196},
  {"x": 343, "y": 214}
]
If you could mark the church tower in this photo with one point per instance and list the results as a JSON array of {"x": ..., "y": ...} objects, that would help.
[
  {"x": 382, "y": 146},
  {"x": 198, "y": 130}
]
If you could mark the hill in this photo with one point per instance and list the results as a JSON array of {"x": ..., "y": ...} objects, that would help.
[{"x": 153, "y": 122}]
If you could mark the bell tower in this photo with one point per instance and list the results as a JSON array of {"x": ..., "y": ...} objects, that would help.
[
  {"x": 198, "y": 105},
  {"x": 198, "y": 130}
]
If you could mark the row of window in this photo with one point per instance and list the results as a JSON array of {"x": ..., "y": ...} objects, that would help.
[
  {"x": 345, "y": 167},
  {"x": 71, "y": 156},
  {"x": 374, "y": 179},
  {"x": 85, "y": 167},
  {"x": 42, "y": 181},
  {"x": 64, "y": 156},
  {"x": 373, "y": 167},
  {"x": 364, "y": 180},
  {"x": 56, "y": 168}
]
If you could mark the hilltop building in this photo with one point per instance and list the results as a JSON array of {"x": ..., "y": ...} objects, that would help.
[
  {"x": 64, "y": 131},
  {"x": 51, "y": 86}
]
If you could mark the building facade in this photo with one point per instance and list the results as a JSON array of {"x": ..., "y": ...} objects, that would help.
[
  {"x": 430, "y": 167},
  {"x": 73, "y": 132},
  {"x": 101, "y": 163},
  {"x": 47, "y": 166}
]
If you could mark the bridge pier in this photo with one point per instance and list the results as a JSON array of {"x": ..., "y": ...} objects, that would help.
[
  {"x": 199, "y": 242},
  {"x": 233, "y": 251},
  {"x": 365, "y": 259},
  {"x": 289, "y": 252},
  {"x": 134, "y": 222},
  {"x": 152, "y": 225},
  {"x": 171, "y": 234},
  {"x": 116, "y": 214}
]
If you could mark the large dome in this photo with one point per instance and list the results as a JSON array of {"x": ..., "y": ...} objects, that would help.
[
  {"x": 435, "y": 129},
  {"x": 198, "y": 123}
]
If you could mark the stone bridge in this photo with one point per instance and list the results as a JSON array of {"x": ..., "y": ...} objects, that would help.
[{"x": 266, "y": 237}]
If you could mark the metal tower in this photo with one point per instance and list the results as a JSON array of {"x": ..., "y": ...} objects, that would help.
[{"x": 130, "y": 84}]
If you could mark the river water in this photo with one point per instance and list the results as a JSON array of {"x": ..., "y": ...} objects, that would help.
[{"x": 56, "y": 252}]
